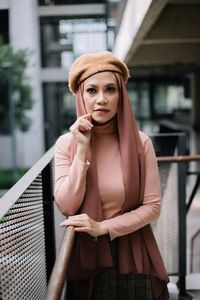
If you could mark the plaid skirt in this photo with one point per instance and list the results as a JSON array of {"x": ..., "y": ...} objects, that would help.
[{"x": 109, "y": 284}]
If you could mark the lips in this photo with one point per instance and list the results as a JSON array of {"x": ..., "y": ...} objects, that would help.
[{"x": 101, "y": 110}]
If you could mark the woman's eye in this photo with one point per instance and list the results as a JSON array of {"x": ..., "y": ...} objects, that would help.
[
  {"x": 91, "y": 90},
  {"x": 111, "y": 89}
]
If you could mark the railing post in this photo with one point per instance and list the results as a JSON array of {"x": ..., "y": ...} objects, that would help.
[
  {"x": 48, "y": 209},
  {"x": 182, "y": 219}
]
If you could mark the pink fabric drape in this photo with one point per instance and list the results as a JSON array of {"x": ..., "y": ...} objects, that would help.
[{"x": 138, "y": 251}]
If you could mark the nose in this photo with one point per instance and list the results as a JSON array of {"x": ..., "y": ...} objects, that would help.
[{"x": 101, "y": 98}]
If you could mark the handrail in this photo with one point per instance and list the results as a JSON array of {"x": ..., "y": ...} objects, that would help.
[
  {"x": 58, "y": 274},
  {"x": 8, "y": 200},
  {"x": 179, "y": 158}
]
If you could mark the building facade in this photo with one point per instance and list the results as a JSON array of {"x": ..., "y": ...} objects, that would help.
[{"x": 55, "y": 33}]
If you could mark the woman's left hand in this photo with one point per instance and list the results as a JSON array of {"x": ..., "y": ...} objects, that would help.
[{"x": 83, "y": 223}]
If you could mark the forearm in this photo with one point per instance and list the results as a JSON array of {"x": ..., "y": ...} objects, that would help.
[
  {"x": 133, "y": 220},
  {"x": 70, "y": 189}
]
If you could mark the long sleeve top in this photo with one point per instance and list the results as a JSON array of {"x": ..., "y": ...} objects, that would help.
[{"x": 70, "y": 182}]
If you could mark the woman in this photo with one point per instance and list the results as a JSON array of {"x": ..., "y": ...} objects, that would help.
[{"x": 107, "y": 184}]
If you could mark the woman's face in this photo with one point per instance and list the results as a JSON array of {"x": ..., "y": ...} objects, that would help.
[{"x": 101, "y": 97}]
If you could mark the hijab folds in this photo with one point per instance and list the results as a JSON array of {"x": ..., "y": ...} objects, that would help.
[{"x": 138, "y": 251}]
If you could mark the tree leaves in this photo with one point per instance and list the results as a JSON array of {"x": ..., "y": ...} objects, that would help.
[{"x": 12, "y": 68}]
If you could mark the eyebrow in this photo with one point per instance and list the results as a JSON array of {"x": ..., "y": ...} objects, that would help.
[{"x": 107, "y": 84}]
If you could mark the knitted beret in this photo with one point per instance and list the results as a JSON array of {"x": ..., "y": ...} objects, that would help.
[{"x": 87, "y": 65}]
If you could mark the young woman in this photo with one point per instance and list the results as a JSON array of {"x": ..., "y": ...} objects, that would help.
[{"x": 107, "y": 184}]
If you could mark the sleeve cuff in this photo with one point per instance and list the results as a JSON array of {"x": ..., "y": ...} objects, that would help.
[{"x": 108, "y": 224}]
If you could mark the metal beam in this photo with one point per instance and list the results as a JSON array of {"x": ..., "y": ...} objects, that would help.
[
  {"x": 72, "y": 10},
  {"x": 54, "y": 75},
  {"x": 152, "y": 55},
  {"x": 177, "y": 22},
  {"x": 170, "y": 41},
  {"x": 155, "y": 9}
]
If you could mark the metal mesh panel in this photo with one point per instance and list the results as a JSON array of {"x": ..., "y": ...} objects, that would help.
[
  {"x": 166, "y": 228},
  {"x": 22, "y": 247},
  {"x": 195, "y": 264}
]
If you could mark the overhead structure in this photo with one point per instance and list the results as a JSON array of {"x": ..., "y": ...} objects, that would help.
[{"x": 157, "y": 36}]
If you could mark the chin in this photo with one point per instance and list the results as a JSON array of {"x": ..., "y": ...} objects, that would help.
[{"x": 100, "y": 122}]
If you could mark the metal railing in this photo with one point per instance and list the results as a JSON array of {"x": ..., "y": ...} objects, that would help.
[
  {"x": 27, "y": 244},
  {"x": 174, "y": 258},
  {"x": 27, "y": 248}
]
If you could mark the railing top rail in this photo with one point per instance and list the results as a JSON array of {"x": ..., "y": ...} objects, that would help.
[
  {"x": 179, "y": 158},
  {"x": 167, "y": 134},
  {"x": 8, "y": 200},
  {"x": 56, "y": 282}
]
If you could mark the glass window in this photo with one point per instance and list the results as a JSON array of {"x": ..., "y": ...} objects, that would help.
[
  {"x": 62, "y": 40},
  {"x": 4, "y": 28},
  {"x": 59, "y": 110},
  {"x": 4, "y": 109},
  {"x": 170, "y": 98},
  {"x": 4, "y": 102},
  {"x": 139, "y": 98}
]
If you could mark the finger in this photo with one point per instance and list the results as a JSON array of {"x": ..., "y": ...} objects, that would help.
[
  {"x": 86, "y": 230},
  {"x": 87, "y": 116},
  {"x": 82, "y": 229},
  {"x": 86, "y": 124},
  {"x": 79, "y": 223},
  {"x": 75, "y": 218},
  {"x": 81, "y": 125}
]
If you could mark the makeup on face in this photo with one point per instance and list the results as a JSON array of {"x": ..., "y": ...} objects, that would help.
[{"x": 101, "y": 97}]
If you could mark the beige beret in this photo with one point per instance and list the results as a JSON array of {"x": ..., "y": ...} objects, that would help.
[{"x": 87, "y": 65}]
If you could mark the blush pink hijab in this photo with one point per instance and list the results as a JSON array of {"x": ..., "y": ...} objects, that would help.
[{"x": 138, "y": 251}]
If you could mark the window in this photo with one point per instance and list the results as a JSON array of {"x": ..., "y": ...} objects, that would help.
[
  {"x": 170, "y": 98},
  {"x": 62, "y": 40},
  {"x": 59, "y": 110},
  {"x": 139, "y": 98},
  {"x": 4, "y": 30},
  {"x": 4, "y": 110}
]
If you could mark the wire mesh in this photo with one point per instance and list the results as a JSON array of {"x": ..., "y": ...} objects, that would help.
[
  {"x": 22, "y": 247},
  {"x": 195, "y": 263},
  {"x": 166, "y": 228}
]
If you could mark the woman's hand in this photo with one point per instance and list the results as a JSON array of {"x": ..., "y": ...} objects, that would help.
[
  {"x": 81, "y": 129},
  {"x": 83, "y": 223}
]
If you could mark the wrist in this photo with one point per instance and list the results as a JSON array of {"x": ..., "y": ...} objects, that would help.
[
  {"x": 103, "y": 228},
  {"x": 81, "y": 152}
]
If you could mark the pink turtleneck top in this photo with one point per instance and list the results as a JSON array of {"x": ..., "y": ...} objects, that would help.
[{"x": 70, "y": 181}]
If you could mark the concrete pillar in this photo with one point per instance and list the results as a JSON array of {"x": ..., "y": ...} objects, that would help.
[
  {"x": 24, "y": 33},
  {"x": 196, "y": 101},
  {"x": 4, "y": 4}
]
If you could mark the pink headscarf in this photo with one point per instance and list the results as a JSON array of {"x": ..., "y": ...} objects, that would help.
[{"x": 138, "y": 251}]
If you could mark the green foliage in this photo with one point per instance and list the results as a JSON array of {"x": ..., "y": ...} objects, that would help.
[
  {"x": 6, "y": 177},
  {"x": 12, "y": 67}
]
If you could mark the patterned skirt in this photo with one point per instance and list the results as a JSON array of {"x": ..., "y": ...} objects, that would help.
[{"x": 109, "y": 284}]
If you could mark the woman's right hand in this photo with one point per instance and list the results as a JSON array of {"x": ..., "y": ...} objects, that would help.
[{"x": 81, "y": 129}]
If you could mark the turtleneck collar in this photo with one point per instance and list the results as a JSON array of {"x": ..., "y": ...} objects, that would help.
[{"x": 109, "y": 127}]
